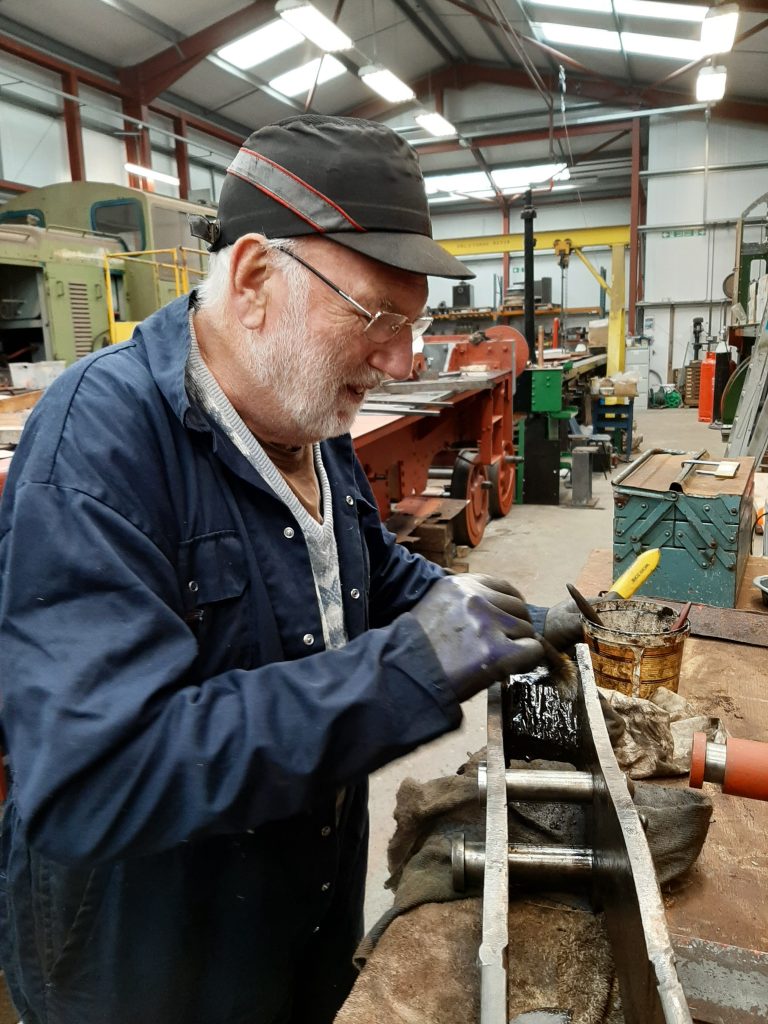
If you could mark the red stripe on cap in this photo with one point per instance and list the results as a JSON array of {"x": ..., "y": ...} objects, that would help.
[
  {"x": 278, "y": 199},
  {"x": 306, "y": 185}
]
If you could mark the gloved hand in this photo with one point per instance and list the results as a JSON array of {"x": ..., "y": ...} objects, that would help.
[
  {"x": 562, "y": 626},
  {"x": 479, "y": 630}
]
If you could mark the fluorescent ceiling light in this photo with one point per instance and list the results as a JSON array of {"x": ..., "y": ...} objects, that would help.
[
  {"x": 663, "y": 11},
  {"x": 266, "y": 42},
  {"x": 147, "y": 172},
  {"x": 710, "y": 84},
  {"x": 301, "y": 79},
  {"x": 306, "y": 18},
  {"x": 661, "y": 46},
  {"x": 576, "y": 35},
  {"x": 386, "y": 84},
  {"x": 435, "y": 124},
  {"x": 718, "y": 30}
]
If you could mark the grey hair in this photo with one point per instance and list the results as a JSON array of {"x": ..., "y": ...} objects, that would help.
[{"x": 213, "y": 290}]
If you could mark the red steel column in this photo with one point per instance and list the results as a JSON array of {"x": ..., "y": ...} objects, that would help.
[
  {"x": 74, "y": 127},
  {"x": 182, "y": 157},
  {"x": 137, "y": 147}
]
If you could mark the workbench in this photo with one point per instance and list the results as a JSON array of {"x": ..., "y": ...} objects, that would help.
[{"x": 718, "y": 914}]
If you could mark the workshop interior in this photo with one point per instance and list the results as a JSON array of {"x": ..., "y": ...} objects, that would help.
[{"x": 587, "y": 415}]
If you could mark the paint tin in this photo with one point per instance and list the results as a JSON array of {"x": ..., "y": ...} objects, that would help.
[{"x": 634, "y": 650}]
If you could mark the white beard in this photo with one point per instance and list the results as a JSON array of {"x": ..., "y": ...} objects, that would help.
[{"x": 310, "y": 383}]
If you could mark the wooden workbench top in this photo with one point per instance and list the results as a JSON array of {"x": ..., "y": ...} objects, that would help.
[{"x": 724, "y": 898}]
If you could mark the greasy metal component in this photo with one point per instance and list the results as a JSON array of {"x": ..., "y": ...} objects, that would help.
[
  {"x": 527, "y": 863},
  {"x": 568, "y": 787},
  {"x": 492, "y": 955},
  {"x": 536, "y": 722},
  {"x": 626, "y": 887},
  {"x": 468, "y": 481},
  {"x": 724, "y": 984}
]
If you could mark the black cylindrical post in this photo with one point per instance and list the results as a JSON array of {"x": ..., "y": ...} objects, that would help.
[{"x": 529, "y": 242}]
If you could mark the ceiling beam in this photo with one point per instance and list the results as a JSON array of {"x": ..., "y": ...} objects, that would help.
[
  {"x": 424, "y": 31},
  {"x": 149, "y": 78},
  {"x": 608, "y": 91},
  {"x": 526, "y": 135}
]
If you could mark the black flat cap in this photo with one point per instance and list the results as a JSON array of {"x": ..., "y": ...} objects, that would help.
[{"x": 353, "y": 181}]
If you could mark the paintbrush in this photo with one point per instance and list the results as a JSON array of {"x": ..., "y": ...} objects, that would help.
[{"x": 562, "y": 671}]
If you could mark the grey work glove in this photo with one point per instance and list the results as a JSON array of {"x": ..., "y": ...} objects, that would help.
[
  {"x": 562, "y": 626},
  {"x": 479, "y": 630}
]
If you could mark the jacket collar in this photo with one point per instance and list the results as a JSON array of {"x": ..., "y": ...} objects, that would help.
[{"x": 167, "y": 342}]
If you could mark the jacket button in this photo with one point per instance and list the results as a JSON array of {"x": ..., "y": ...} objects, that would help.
[
  {"x": 325, "y": 886},
  {"x": 194, "y": 586},
  {"x": 308, "y": 639},
  {"x": 354, "y": 593},
  {"x": 325, "y": 831},
  {"x": 349, "y": 499},
  {"x": 288, "y": 532}
]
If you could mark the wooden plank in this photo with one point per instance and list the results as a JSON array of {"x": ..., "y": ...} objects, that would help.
[{"x": 15, "y": 403}]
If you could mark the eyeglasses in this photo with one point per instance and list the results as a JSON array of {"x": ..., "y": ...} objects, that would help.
[{"x": 383, "y": 326}]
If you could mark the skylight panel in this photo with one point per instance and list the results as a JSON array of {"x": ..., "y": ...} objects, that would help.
[
  {"x": 577, "y": 35},
  {"x": 663, "y": 11},
  {"x": 661, "y": 46},
  {"x": 599, "y": 6},
  {"x": 300, "y": 80},
  {"x": 263, "y": 44}
]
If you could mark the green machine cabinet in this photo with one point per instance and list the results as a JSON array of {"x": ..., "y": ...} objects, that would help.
[
  {"x": 539, "y": 389},
  {"x": 701, "y": 523}
]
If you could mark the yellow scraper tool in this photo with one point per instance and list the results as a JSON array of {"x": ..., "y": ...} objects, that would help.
[{"x": 635, "y": 576}]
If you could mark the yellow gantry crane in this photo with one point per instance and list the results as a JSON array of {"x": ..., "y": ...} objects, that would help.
[{"x": 564, "y": 247}]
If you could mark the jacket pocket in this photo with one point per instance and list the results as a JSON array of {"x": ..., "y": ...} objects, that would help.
[
  {"x": 213, "y": 579},
  {"x": 66, "y": 906}
]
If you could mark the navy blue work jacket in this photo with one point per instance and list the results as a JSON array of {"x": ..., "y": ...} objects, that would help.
[{"x": 177, "y": 734}]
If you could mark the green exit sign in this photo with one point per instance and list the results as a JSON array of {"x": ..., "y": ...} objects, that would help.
[{"x": 684, "y": 233}]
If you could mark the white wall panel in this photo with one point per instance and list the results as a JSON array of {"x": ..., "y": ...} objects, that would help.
[
  {"x": 33, "y": 146},
  {"x": 104, "y": 158},
  {"x": 681, "y": 267}
]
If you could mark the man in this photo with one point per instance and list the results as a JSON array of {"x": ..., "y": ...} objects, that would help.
[{"x": 207, "y": 639}]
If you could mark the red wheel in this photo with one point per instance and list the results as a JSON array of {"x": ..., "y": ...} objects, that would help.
[
  {"x": 469, "y": 481},
  {"x": 502, "y": 475}
]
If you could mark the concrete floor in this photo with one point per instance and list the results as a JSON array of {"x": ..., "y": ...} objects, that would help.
[{"x": 539, "y": 548}]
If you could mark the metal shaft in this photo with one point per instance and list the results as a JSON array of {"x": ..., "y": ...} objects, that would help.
[
  {"x": 526, "y": 863},
  {"x": 527, "y": 784}
]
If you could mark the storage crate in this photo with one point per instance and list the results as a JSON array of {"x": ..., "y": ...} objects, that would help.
[{"x": 703, "y": 526}]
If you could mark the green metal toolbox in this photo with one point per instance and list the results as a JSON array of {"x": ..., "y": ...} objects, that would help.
[{"x": 702, "y": 524}]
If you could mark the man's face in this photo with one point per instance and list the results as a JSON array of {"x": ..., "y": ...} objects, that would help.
[{"x": 313, "y": 354}]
